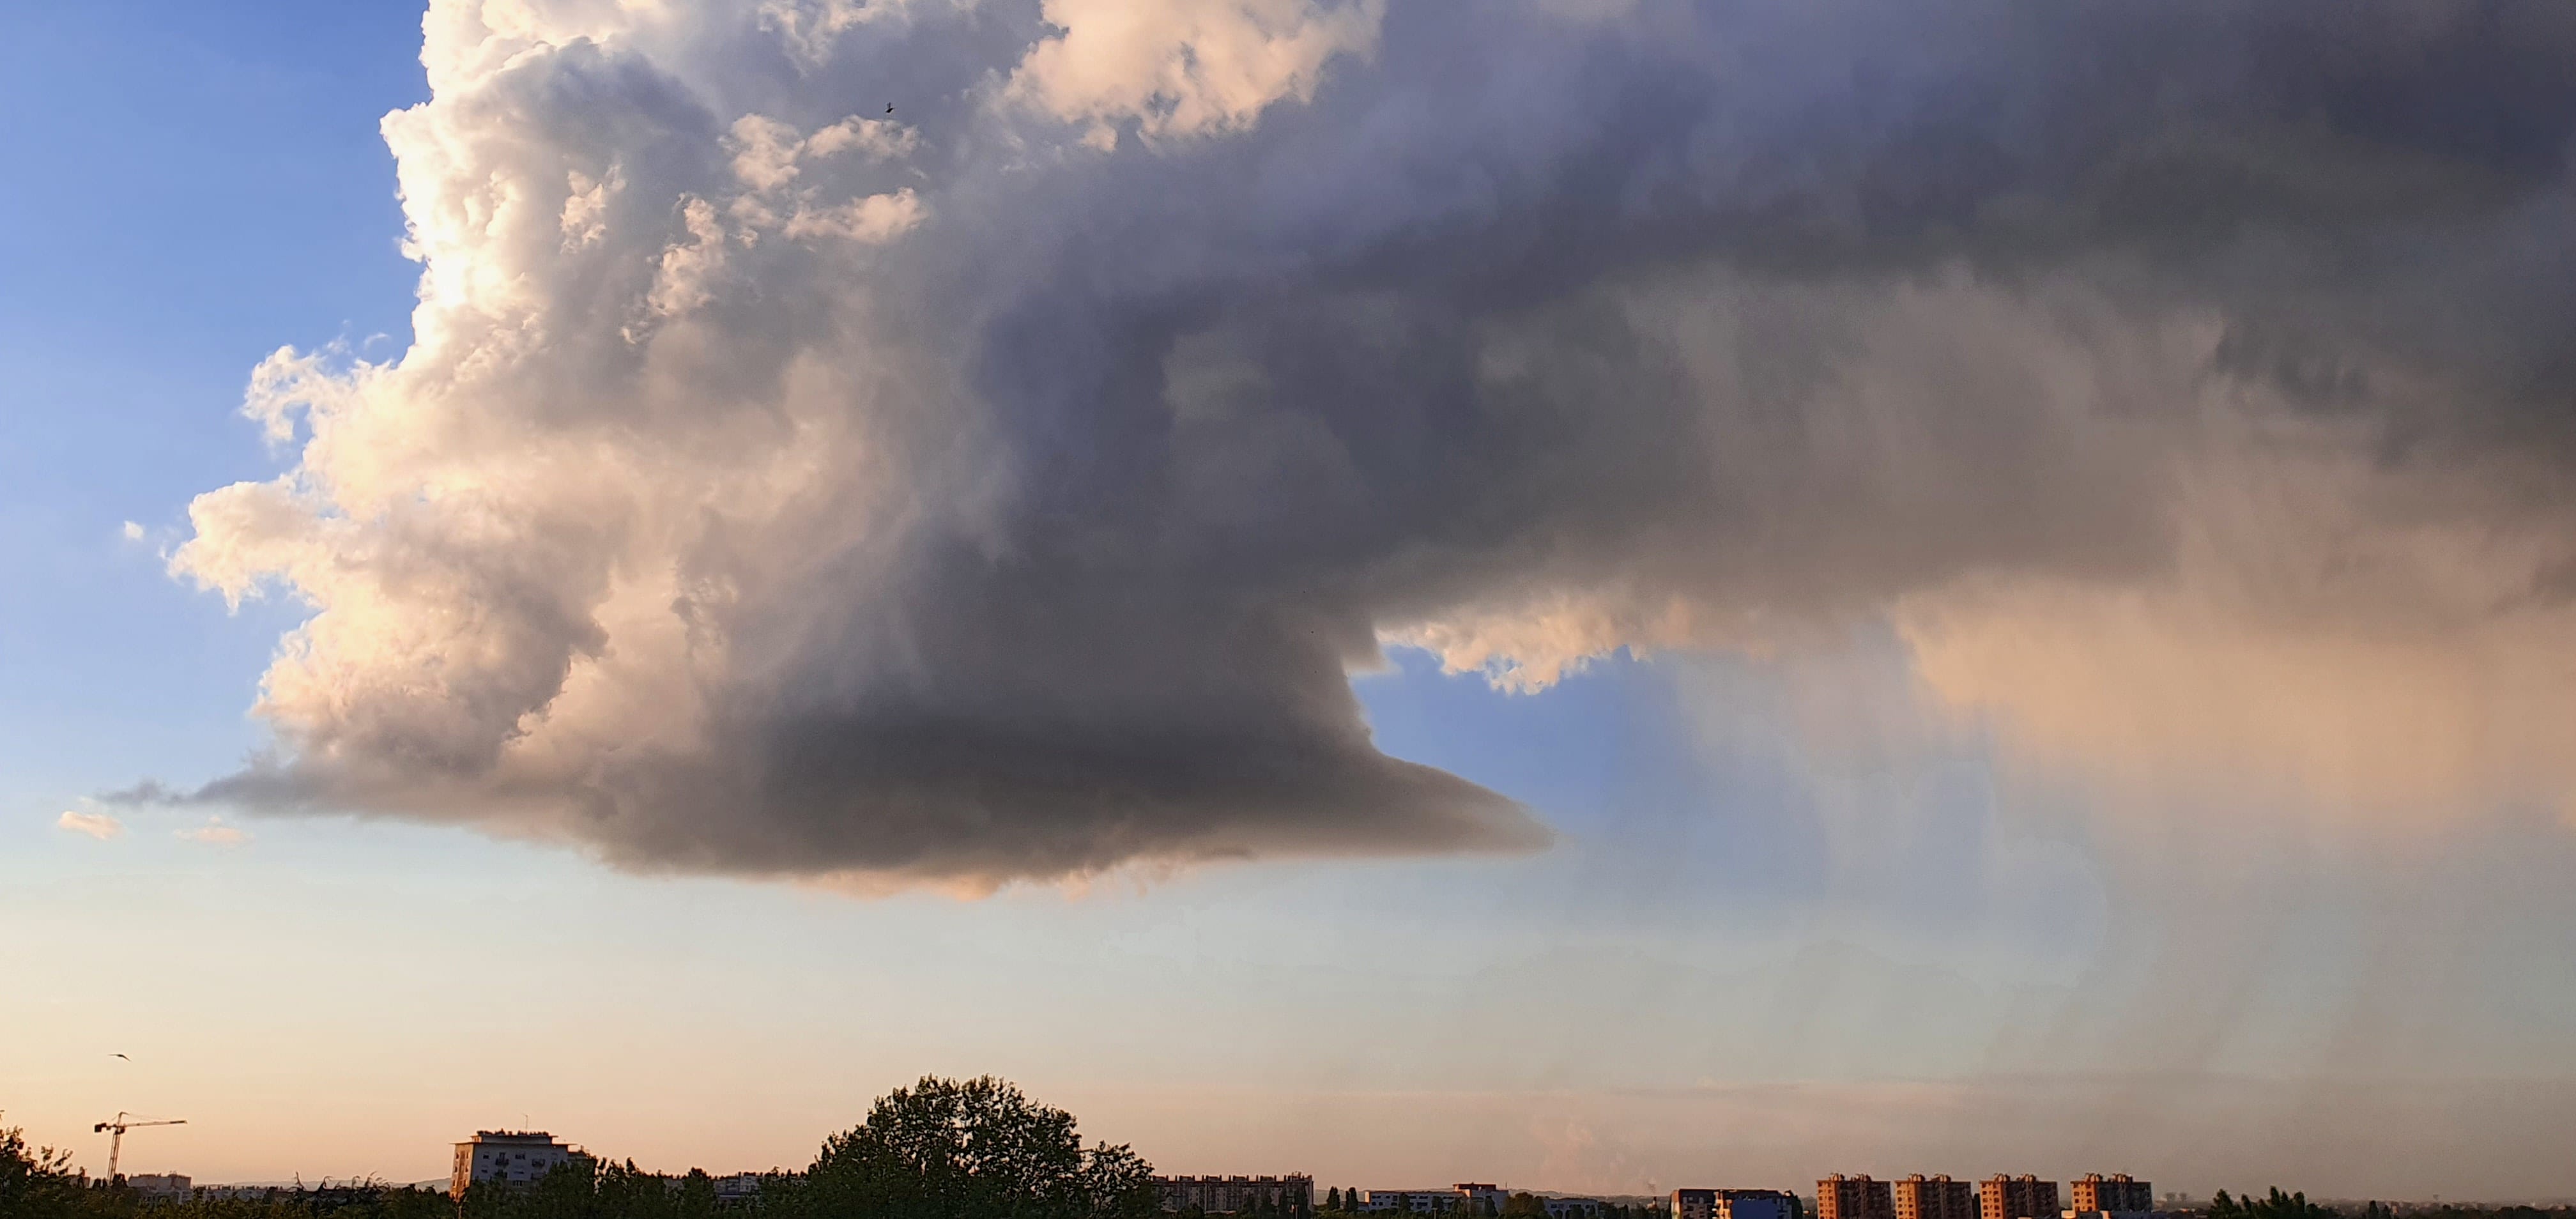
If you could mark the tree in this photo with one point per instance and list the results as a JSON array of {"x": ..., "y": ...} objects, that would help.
[
  {"x": 1524, "y": 1206},
  {"x": 37, "y": 1183},
  {"x": 415, "y": 1204},
  {"x": 2275, "y": 1205},
  {"x": 485, "y": 1200},
  {"x": 1333, "y": 1198},
  {"x": 697, "y": 1196},
  {"x": 972, "y": 1149},
  {"x": 569, "y": 1190}
]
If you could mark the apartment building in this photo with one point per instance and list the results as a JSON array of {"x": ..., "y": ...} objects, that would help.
[
  {"x": 1841, "y": 1197},
  {"x": 1935, "y": 1197},
  {"x": 514, "y": 1157},
  {"x": 2022, "y": 1197},
  {"x": 1292, "y": 1194},
  {"x": 159, "y": 1186},
  {"x": 1434, "y": 1201},
  {"x": 2115, "y": 1194}
]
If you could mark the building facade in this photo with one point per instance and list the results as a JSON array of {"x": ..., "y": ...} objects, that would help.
[
  {"x": 1841, "y": 1197},
  {"x": 1416, "y": 1201},
  {"x": 1293, "y": 1194},
  {"x": 1436, "y": 1201},
  {"x": 159, "y": 1186},
  {"x": 512, "y": 1157},
  {"x": 2022, "y": 1197},
  {"x": 1733, "y": 1204},
  {"x": 1935, "y": 1197},
  {"x": 2114, "y": 1193},
  {"x": 1571, "y": 1208}
]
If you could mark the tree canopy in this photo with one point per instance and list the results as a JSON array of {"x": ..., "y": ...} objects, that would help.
[
  {"x": 2276, "y": 1206},
  {"x": 971, "y": 1149},
  {"x": 35, "y": 1183}
]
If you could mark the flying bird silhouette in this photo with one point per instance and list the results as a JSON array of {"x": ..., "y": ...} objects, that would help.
[
  {"x": 126, "y": 1059},
  {"x": 889, "y": 107}
]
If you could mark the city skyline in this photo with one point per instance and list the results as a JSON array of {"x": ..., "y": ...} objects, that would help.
[
  {"x": 519, "y": 1158},
  {"x": 1603, "y": 593}
]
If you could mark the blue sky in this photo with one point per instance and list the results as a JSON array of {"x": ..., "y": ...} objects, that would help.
[
  {"x": 1804, "y": 912},
  {"x": 196, "y": 187}
]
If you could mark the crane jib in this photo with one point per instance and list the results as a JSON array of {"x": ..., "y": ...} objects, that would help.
[{"x": 115, "y": 1131}]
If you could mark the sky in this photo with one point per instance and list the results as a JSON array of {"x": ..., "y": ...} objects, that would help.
[{"x": 1599, "y": 594}]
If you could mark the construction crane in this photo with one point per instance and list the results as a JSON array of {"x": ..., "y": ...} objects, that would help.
[{"x": 116, "y": 1143}]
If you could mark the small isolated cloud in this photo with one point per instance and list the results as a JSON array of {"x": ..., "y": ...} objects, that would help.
[
  {"x": 215, "y": 832},
  {"x": 100, "y": 826},
  {"x": 133, "y": 532}
]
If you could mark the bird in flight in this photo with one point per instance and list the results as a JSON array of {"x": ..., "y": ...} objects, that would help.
[
  {"x": 889, "y": 107},
  {"x": 126, "y": 1059}
]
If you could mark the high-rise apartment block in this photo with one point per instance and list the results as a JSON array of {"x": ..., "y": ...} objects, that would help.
[
  {"x": 2114, "y": 1193},
  {"x": 2022, "y": 1197},
  {"x": 514, "y": 1157},
  {"x": 1841, "y": 1197},
  {"x": 1936, "y": 1197},
  {"x": 1293, "y": 1194}
]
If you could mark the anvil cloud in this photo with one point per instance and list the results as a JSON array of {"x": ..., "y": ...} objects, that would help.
[{"x": 1004, "y": 486}]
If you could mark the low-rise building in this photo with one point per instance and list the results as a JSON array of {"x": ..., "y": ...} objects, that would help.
[
  {"x": 159, "y": 1186},
  {"x": 1571, "y": 1208},
  {"x": 512, "y": 1157},
  {"x": 1733, "y": 1204},
  {"x": 1293, "y": 1194},
  {"x": 1431, "y": 1201}
]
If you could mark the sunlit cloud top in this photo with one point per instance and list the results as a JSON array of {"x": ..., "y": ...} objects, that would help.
[{"x": 971, "y": 442}]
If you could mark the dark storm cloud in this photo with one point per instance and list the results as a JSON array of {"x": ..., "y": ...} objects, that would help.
[{"x": 1004, "y": 489}]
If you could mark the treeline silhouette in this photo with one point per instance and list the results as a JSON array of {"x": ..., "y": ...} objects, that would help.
[{"x": 941, "y": 1149}]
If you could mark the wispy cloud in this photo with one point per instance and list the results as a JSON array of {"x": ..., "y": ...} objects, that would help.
[
  {"x": 216, "y": 832},
  {"x": 97, "y": 825}
]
